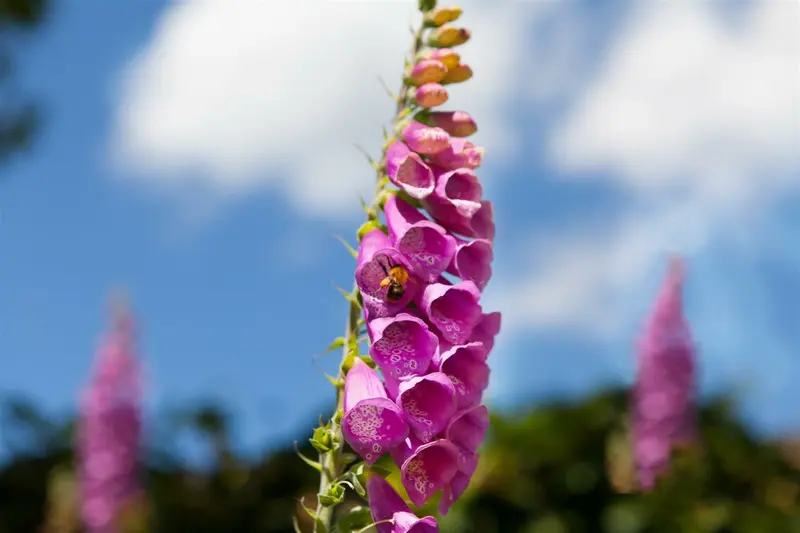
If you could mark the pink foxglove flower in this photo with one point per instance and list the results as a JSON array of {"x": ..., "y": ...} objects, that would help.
[
  {"x": 425, "y": 256},
  {"x": 108, "y": 431},
  {"x": 385, "y": 504},
  {"x": 372, "y": 423},
  {"x": 664, "y": 393}
]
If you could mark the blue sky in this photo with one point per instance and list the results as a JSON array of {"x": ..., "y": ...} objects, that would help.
[{"x": 188, "y": 160}]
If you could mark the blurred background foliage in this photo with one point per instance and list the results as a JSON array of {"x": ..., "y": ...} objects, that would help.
[
  {"x": 20, "y": 115},
  {"x": 558, "y": 468}
]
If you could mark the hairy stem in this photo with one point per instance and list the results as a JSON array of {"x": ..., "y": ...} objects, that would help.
[{"x": 331, "y": 462}]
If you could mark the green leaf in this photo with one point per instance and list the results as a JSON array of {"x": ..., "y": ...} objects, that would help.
[{"x": 313, "y": 464}]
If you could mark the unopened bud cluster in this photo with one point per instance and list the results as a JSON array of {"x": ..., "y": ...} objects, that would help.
[{"x": 420, "y": 274}]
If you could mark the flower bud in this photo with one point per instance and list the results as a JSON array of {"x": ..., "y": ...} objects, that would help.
[
  {"x": 447, "y": 36},
  {"x": 448, "y": 56},
  {"x": 424, "y": 139},
  {"x": 442, "y": 15},
  {"x": 427, "y": 71},
  {"x": 457, "y": 74},
  {"x": 430, "y": 95},
  {"x": 456, "y": 123}
]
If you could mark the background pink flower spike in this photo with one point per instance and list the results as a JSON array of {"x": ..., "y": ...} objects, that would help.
[
  {"x": 109, "y": 428},
  {"x": 663, "y": 397}
]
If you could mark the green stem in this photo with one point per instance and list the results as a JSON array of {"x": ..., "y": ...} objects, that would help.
[{"x": 332, "y": 461}]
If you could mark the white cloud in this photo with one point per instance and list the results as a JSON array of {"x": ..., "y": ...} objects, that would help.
[
  {"x": 697, "y": 122},
  {"x": 232, "y": 97}
]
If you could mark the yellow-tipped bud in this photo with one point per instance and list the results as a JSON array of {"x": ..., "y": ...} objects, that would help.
[
  {"x": 447, "y": 56},
  {"x": 447, "y": 36},
  {"x": 460, "y": 73},
  {"x": 442, "y": 15}
]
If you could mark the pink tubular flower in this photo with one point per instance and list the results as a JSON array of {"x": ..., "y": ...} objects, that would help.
[
  {"x": 372, "y": 424},
  {"x": 424, "y": 243},
  {"x": 386, "y": 504},
  {"x": 408, "y": 172},
  {"x": 109, "y": 431},
  {"x": 663, "y": 413},
  {"x": 402, "y": 346},
  {"x": 460, "y": 154},
  {"x": 426, "y": 468}
]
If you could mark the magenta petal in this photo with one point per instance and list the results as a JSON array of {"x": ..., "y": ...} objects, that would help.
[
  {"x": 425, "y": 244},
  {"x": 482, "y": 222},
  {"x": 384, "y": 502},
  {"x": 468, "y": 428},
  {"x": 453, "y": 309},
  {"x": 410, "y": 523},
  {"x": 428, "y": 468},
  {"x": 466, "y": 367},
  {"x": 374, "y": 255},
  {"x": 408, "y": 172},
  {"x": 428, "y": 402},
  {"x": 458, "y": 485},
  {"x": 402, "y": 345},
  {"x": 457, "y": 192},
  {"x": 460, "y": 154},
  {"x": 372, "y": 424},
  {"x": 486, "y": 330},
  {"x": 473, "y": 261}
]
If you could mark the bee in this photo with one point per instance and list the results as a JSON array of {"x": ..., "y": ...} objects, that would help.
[{"x": 396, "y": 279}]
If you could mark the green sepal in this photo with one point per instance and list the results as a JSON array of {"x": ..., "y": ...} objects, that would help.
[
  {"x": 426, "y": 5},
  {"x": 347, "y": 246},
  {"x": 355, "y": 518},
  {"x": 423, "y": 116},
  {"x": 349, "y": 459},
  {"x": 313, "y": 464},
  {"x": 403, "y": 195},
  {"x": 296, "y": 525},
  {"x": 348, "y": 296},
  {"x": 334, "y": 496},
  {"x": 338, "y": 383},
  {"x": 366, "y": 227},
  {"x": 337, "y": 344},
  {"x": 356, "y": 477},
  {"x": 337, "y": 417},
  {"x": 322, "y": 440}
]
